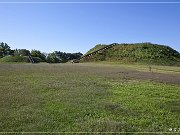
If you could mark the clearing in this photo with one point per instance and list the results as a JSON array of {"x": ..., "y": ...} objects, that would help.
[{"x": 88, "y": 98}]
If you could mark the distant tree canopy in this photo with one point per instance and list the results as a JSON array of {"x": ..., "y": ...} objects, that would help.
[
  {"x": 146, "y": 53},
  {"x": 21, "y": 52},
  {"x": 55, "y": 57},
  {"x": 4, "y": 49},
  {"x": 39, "y": 54},
  {"x": 62, "y": 57},
  {"x": 52, "y": 58}
]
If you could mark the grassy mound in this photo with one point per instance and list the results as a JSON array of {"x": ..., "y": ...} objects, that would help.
[
  {"x": 146, "y": 53},
  {"x": 97, "y": 47},
  {"x": 14, "y": 59},
  {"x": 23, "y": 59}
]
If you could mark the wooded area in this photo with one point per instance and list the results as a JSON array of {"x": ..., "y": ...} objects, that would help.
[{"x": 21, "y": 55}]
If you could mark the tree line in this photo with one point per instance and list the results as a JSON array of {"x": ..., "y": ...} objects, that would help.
[{"x": 54, "y": 57}]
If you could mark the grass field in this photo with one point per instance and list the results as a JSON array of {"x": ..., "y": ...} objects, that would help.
[{"x": 87, "y": 98}]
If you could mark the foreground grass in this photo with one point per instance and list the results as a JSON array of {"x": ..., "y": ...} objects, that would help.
[{"x": 79, "y": 97}]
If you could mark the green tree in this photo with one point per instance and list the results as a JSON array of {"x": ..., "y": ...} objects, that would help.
[
  {"x": 11, "y": 52},
  {"x": 62, "y": 57}
]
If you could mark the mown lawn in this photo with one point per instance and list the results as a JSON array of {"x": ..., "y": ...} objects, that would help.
[{"x": 84, "y": 98}]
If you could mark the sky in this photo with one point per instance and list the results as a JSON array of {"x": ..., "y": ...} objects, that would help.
[{"x": 77, "y": 27}]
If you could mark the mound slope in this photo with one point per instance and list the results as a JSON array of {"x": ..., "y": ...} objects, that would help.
[{"x": 135, "y": 53}]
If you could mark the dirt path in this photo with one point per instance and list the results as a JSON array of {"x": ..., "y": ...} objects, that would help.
[{"x": 122, "y": 72}]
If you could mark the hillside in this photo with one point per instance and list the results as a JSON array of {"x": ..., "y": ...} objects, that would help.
[{"x": 146, "y": 53}]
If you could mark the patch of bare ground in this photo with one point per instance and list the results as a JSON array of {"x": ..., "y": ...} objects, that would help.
[{"x": 129, "y": 73}]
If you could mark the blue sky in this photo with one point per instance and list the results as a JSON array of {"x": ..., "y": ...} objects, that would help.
[{"x": 79, "y": 27}]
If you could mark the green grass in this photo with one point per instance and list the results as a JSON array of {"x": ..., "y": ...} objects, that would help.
[
  {"x": 153, "y": 107},
  {"x": 83, "y": 97},
  {"x": 97, "y": 47},
  {"x": 14, "y": 59}
]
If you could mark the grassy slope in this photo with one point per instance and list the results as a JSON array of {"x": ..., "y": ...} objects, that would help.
[
  {"x": 21, "y": 59},
  {"x": 68, "y": 98},
  {"x": 141, "y": 67},
  {"x": 14, "y": 59},
  {"x": 138, "y": 53},
  {"x": 97, "y": 47}
]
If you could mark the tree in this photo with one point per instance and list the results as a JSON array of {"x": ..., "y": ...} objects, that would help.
[
  {"x": 1, "y": 52},
  {"x": 62, "y": 56},
  {"x": 52, "y": 58},
  {"x": 11, "y": 52},
  {"x": 4, "y": 49},
  {"x": 75, "y": 55},
  {"x": 21, "y": 52}
]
